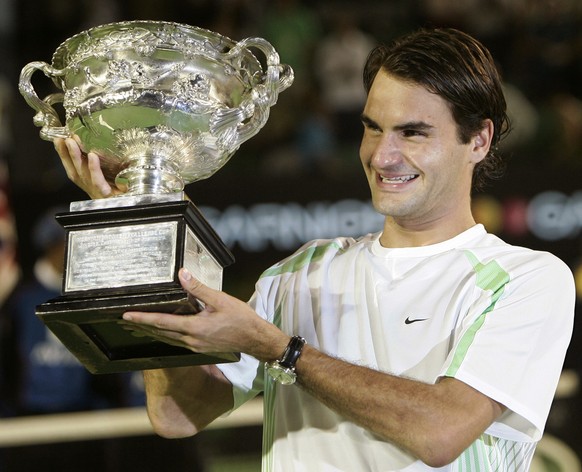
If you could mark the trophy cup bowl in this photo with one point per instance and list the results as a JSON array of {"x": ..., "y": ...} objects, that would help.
[{"x": 163, "y": 105}]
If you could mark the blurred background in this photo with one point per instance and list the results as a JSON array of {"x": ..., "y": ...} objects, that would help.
[{"x": 298, "y": 179}]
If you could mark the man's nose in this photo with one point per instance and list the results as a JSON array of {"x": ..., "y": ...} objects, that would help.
[{"x": 387, "y": 152}]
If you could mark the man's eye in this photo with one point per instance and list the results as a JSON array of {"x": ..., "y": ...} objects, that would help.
[
  {"x": 372, "y": 129},
  {"x": 409, "y": 133}
]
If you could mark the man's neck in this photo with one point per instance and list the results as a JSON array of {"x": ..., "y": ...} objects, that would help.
[{"x": 397, "y": 235}]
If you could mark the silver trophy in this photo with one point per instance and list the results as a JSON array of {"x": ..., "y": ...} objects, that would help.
[{"x": 163, "y": 104}]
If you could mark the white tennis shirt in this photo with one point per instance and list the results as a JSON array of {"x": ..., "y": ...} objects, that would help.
[{"x": 495, "y": 316}]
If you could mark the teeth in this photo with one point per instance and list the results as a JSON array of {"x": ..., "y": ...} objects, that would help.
[{"x": 400, "y": 179}]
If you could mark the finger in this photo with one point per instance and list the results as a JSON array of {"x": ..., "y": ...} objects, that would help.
[
  {"x": 97, "y": 178},
  {"x": 63, "y": 152},
  {"x": 135, "y": 330},
  {"x": 60, "y": 146},
  {"x": 208, "y": 296},
  {"x": 143, "y": 330},
  {"x": 140, "y": 331},
  {"x": 75, "y": 155},
  {"x": 158, "y": 323}
]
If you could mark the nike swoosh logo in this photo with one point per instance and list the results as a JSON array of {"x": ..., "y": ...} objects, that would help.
[{"x": 409, "y": 321}]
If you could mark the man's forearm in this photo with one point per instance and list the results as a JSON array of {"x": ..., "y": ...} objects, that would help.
[
  {"x": 182, "y": 401},
  {"x": 435, "y": 423}
]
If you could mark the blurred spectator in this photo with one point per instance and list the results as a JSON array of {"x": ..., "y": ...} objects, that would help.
[
  {"x": 40, "y": 376},
  {"x": 546, "y": 56},
  {"x": 524, "y": 118},
  {"x": 43, "y": 375},
  {"x": 9, "y": 271},
  {"x": 8, "y": 26},
  {"x": 567, "y": 112},
  {"x": 235, "y": 19},
  {"x": 316, "y": 138},
  {"x": 9, "y": 268},
  {"x": 294, "y": 30},
  {"x": 558, "y": 140},
  {"x": 338, "y": 66},
  {"x": 310, "y": 150}
]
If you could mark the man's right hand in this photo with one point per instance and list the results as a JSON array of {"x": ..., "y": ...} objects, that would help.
[{"x": 84, "y": 170}]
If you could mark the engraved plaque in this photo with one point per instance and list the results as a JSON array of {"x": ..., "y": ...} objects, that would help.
[{"x": 121, "y": 256}]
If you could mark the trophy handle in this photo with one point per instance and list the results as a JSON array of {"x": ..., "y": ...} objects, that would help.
[
  {"x": 46, "y": 117},
  {"x": 278, "y": 76},
  {"x": 237, "y": 125}
]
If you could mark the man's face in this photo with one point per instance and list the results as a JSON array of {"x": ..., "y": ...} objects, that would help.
[{"x": 418, "y": 171}]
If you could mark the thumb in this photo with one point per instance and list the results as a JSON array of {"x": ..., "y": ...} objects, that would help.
[{"x": 197, "y": 289}]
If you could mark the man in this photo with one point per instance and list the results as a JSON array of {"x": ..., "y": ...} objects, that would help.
[{"x": 430, "y": 344}]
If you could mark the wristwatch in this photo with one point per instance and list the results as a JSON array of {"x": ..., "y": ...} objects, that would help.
[{"x": 283, "y": 370}]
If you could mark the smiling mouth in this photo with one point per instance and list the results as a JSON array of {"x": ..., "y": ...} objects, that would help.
[{"x": 401, "y": 179}]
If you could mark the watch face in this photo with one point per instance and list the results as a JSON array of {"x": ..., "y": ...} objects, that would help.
[{"x": 281, "y": 374}]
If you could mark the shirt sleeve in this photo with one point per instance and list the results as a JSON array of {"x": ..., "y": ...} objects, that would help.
[
  {"x": 247, "y": 375},
  {"x": 512, "y": 346}
]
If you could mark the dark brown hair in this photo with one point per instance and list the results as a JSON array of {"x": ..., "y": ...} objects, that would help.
[{"x": 459, "y": 69}]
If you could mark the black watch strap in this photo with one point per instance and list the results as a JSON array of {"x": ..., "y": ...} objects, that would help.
[{"x": 292, "y": 352}]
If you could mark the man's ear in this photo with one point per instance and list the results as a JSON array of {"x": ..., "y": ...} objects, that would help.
[{"x": 482, "y": 141}]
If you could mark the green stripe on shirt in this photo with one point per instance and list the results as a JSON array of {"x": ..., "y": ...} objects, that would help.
[
  {"x": 491, "y": 454},
  {"x": 490, "y": 277},
  {"x": 299, "y": 261}
]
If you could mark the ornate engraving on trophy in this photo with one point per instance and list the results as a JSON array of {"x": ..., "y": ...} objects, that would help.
[{"x": 154, "y": 76}]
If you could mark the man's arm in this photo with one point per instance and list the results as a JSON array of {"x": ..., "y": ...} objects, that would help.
[
  {"x": 184, "y": 400},
  {"x": 435, "y": 423}
]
